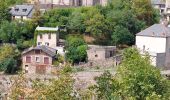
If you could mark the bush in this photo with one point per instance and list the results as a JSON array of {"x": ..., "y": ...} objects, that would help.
[{"x": 9, "y": 65}]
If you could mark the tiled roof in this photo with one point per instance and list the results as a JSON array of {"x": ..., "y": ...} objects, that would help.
[
  {"x": 51, "y": 52},
  {"x": 22, "y": 10},
  {"x": 156, "y": 30}
]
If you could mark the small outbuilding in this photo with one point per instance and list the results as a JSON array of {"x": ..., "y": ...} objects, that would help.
[{"x": 96, "y": 52}]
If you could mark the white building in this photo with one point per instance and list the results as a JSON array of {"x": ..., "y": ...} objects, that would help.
[{"x": 156, "y": 41}]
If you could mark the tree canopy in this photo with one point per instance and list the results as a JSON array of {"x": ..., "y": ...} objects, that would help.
[
  {"x": 135, "y": 79},
  {"x": 102, "y": 22},
  {"x": 76, "y": 49}
]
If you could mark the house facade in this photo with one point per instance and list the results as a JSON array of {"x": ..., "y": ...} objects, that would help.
[
  {"x": 156, "y": 41},
  {"x": 22, "y": 12},
  {"x": 38, "y": 60},
  {"x": 47, "y": 36}
]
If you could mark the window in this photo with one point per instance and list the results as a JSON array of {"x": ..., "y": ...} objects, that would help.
[
  {"x": 16, "y": 9},
  {"x": 46, "y": 43},
  {"x": 46, "y": 60},
  {"x": 39, "y": 43},
  {"x": 41, "y": 36},
  {"x": 26, "y": 68},
  {"x": 96, "y": 55},
  {"x": 28, "y": 59},
  {"x": 24, "y": 10},
  {"x": 49, "y": 36},
  {"x": 111, "y": 53},
  {"x": 37, "y": 51},
  {"x": 37, "y": 59}
]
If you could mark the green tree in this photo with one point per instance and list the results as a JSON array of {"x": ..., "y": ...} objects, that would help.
[
  {"x": 4, "y": 12},
  {"x": 8, "y": 58},
  {"x": 76, "y": 22},
  {"x": 138, "y": 78},
  {"x": 135, "y": 79},
  {"x": 122, "y": 35},
  {"x": 107, "y": 87},
  {"x": 15, "y": 31},
  {"x": 76, "y": 49}
]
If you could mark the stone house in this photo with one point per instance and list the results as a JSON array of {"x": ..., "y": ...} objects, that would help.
[
  {"x": 156, "y": 41},
  {"x": 96, "y": 52},
  {"x": 49, "y": 36},
  {"x": 22, "y": 12},
  {"x": 38, "y": 60}
]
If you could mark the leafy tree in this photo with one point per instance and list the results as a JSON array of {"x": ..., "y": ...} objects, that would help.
[
  {"x": 144, "y": 11},
  {"x": 138, "y": 78},
  {"x": 135, "y": 79},
  {"x": 4, "y": 11},
  {"x": 8, "y": 58},
  {"x": 76, "y": 22},
  {"x": 9, "y": 65},
  {"x": 11, "y": 32},
  {"x": 107, "y": 87},
  {"x": 95, "y": 22},
  {"x": 56, "y": 17},
  {"x": 76, "y": 49},
  {"x": 122, "y": 35}
]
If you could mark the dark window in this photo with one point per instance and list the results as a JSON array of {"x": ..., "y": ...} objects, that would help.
[
  {"x": 28, "y": 59},
  {"x": 26, "y": 68},
  {"x": 24, "y": 10},
  {"x": 49, "y": 36},
  {"x": 16, "y": 9},
  {"x": 46, "y": 43},
  {"x": 39, "y": 43},
  {"x": 96, "y": 55},
  {"x": 37, "y": 59},
  {"x": 37, "y": 51},
  {"x": 41, "y": 36},
  {"x": 46, "y": 60},
  {"x": 111, "y": 53}
]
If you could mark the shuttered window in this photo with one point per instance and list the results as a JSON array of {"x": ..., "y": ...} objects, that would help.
[
  {"x": 28, "y": 59},
  {"x": 46, "y": 60}
]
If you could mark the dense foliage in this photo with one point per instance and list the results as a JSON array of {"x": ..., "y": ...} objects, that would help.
[
  {"x": 76, "y": 49},
  {"x": 103, "y": 23},
  {"x": 135, "y": 79},
  {"x": 17, "y": 32},
  {"x": 9, "y": 59}
]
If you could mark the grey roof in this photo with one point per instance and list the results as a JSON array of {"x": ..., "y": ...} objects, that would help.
[
  {"x": 50, "y": 51},
  {"x": 29, "y": 10},
  {"x": 156, "y": 30},
  {"x": 101, "y": 47},
  {"x": 47, "y": 28},
  {"x": 157, "y": 2}
]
